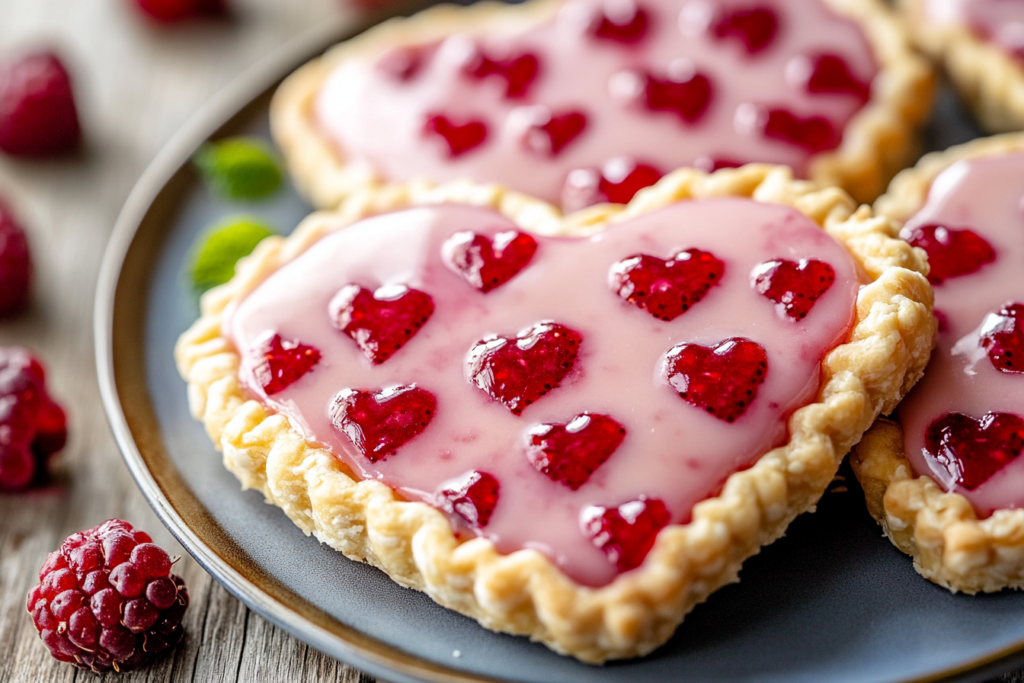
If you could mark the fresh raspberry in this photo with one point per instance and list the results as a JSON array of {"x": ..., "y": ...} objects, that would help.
[
  {"x": 794, "y": 287},
  {"x": 32, "y": 426},
  {"x": 488, "y": 262},
  {"x": 459, "y": 138},
  {"x": 380, "y": 423},
  {"x": 15, "y": 265},
  {"x": 549, "y": 133},
  {"x": 1003, "y": 338},
  {"x": 518, "y": 71},
  {"x": 813, "y": 133},
  {"x": 570, "y": 453},
  {"x": 620, "y": 22},
  {"x": 666, "y": 289},
  {"x": 37, "y": 107},
  {"x": 971, "y": 449},
  {"x": 380, "y": 322},
  {"x": 722, "y": 379},
  {"x": 951, "y": 252},
  {"x": 280, "y": 363},
  {"x": 473, "y": 498},
  {"x": 627, "y": 533},
  {"x": 826, "y": 74},
  {"x": 684, "y": 91},
  {"x": 616, "y": 182},
  {"x": 755, "y": 27},
  {"x": 517, "y": 371},
  {"x": 107, "y": 600},
  {"x": 171, "y": 11}
]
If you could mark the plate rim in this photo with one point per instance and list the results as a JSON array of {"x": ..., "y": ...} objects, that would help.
[{"x": 345, "y": 643}]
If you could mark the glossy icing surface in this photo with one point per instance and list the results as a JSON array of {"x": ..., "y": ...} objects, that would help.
[
  {"x": 1001, "y": 21},
  {"x": 987, "y": 197},
  {"x": 377, "y": 113},
  {"x": 671, "y": 451}
]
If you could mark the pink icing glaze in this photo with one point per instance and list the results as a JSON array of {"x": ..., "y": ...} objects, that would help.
[
  {"x": 377, "y": 119},
  {"x": 986, "y": 196},
  {"x": 672, "y": 450},
  {"x": 1001, "y": 21}
]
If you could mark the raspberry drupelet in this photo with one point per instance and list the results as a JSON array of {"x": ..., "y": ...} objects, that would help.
[{"x": 107, "y": 600}]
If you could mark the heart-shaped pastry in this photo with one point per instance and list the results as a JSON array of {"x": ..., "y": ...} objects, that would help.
[
  {"x": 554, "y": 94},
  {"x": 960, "y": 430},
  {"x": 574, "y": 435}
]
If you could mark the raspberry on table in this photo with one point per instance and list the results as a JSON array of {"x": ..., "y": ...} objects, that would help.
[
  {"x": 38, "y": 116},
  {"x": 15, "y": 264},
  {"x": 170, "y": 11},
  {"x": 32, "y": 426},
  {"x": 107, "y": 600}
]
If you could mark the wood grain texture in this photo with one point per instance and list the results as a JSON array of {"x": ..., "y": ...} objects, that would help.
[{"x": 136, "y": 84}]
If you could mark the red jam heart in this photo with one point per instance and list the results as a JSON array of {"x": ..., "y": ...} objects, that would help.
[
  {"x": 488, "y": 262},
  {"x": 972, "y": 450},
  {"x": 516, "y": 371},
  {"x": 827, "y": 74},
  {"x": 951, "y": 252},
  {"x": 626, "y": 23},
  {"x": 380, "y": 322},
  {"x": 473, "y": 498},
  {"x": 666, "y": 289},
  {"x": 754, "y": 26},
  {"x": 281, "y": 363},
  {"x": 616, "y": 182},
  {"x": 1003, "y": 339},
  {"x": 459, "y": 138},
  {"x": 570, "y": 453},
  {"x": 518, "y": 71},
  {"x": 685, "y": 91},
  {"x": 793, "y": 286},
  {"x": 549, "y": 133},
  {"x": 378, "y": 424},
  {"x": 813, "y": 133},
  {"x": 627, "y": 533},
  {"x": 722, "y": 380}
]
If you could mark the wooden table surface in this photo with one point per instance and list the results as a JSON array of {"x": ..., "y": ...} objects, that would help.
[{"x": 136, "y": 85}]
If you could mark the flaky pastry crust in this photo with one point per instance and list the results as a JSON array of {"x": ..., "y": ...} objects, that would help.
[
  {"x": 989, "y": 80},
  {"x": 523, "y": 592},
  {"x": 940, "y": 530},
  {"x": 879, "y": 141}
]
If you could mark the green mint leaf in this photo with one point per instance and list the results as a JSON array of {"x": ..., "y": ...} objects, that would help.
[
  {"x": 239, "y": 168},
  {"x": 217, "y": 250}
]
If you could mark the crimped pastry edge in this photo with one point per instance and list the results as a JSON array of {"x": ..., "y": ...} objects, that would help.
[
  {"x": 988, "y": 79},
  {"x": 523, "y": 592},
  {"x": 880, "y": 140},
  {"x": 940, "y": 530}
]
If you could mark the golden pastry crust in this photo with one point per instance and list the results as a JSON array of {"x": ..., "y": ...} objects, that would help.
[
  {"x": 523, "y": 592},
  {"x": 989, "y": 80},
  {"x": 878, "y": 142},
  {"x": 940, "y": 530}
]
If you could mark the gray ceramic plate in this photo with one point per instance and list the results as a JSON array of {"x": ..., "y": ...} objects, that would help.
[{"x": 833, "y": 601}]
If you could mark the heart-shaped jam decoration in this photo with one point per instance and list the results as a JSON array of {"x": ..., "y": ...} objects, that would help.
[
  {"x": 473, "y": 497},
  {"x": 458, "y": 138},
  {"x": 570, "y": 453},
  {"x": 616, "y": 182},
  {"x": 951, "y": 252},
  {"x": 684, "y": 91},
  {"x": 755, "y": 27},
  {"x": 812, "y": 133},
  {"x": 402, "y": 64},
  {"x": 793, "y": 285},
  {"x": 549, "y": 133},
  {"x": 625, "y": 534},
  {"x": 972, "y": 450},
  {"x": 488, "y": 262},
  {"x": 519, "y": 71},
  {"x": 722, "y": 379},
  {"x": 666, "y": 289},
  {"x": 826, "y": 74},
  {"x": 380, "y": 322},
  {"x": 1002, "y": 337},
  {"x": 516, "y": 371},
  {"x": 621, "y": 22},
  {"x": 379, "y": 423},
  {"x": 280, "y": 363}
]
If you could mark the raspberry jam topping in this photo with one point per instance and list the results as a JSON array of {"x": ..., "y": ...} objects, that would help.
[
  {"x": 545, "y": 412},
  {"x": 794, "y": 287},
  {"x": 380, "y": 322},
  {"x": 281, "y": 363},
  {"x": 951, "y": 252},
  {"x": 962, "y": 422},
  {"x": 666, "y": 289},
  {"x": 663, "y": 82},
  {"x": 615, "y": 182}
]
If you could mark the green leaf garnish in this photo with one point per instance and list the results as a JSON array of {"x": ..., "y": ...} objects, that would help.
[
  {"x": 217, "y": 251},
  {"x": 239, "y": 168}
]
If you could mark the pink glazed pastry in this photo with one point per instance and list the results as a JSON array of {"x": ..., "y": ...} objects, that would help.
[
  {"x": 958, "y": 499},
  {"x": 496, "y": 406},
  {"x": 580, "y": 102}
]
